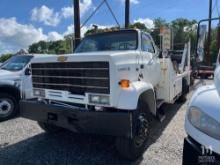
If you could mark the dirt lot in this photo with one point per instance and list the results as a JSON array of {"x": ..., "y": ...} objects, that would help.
[{"x": 22, "y": 142}]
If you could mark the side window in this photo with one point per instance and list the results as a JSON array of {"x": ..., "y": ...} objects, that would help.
[{"x": 147, "y": 44}]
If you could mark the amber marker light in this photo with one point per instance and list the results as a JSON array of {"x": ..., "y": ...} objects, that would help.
[{"x": 124, "y": 83}]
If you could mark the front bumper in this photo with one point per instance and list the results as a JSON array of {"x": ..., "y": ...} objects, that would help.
[
  {"x": 115, "y": 123},
  {"x": 194, "y": 153}
]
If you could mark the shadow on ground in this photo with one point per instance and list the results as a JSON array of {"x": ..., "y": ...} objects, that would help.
[{"x": 67, "y": 148}]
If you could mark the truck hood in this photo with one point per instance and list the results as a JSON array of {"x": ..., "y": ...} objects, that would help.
[
  {"x": 207, "y": 99},
  {"x": 8, "y": 75},
  {"x": 116, "y": 56}
]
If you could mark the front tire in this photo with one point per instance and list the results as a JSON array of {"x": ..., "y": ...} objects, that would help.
[
  {"x": 49, "y": 128},
  {"x": 132, "y": 148},
  {"x": 8, "y": 106}
]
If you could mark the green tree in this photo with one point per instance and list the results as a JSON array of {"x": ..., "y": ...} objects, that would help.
[
  {"x": 70, "y": 42},
  {"x": 214, "y": 50},
  {"x": 139, "y": 25},
  {"x": 33, "y": 48},
  {"x": 52, "y": 47},
  {"x": 183, "y": 30},
  {"x": 155, "y": 33},
  {"x": 5, "y": 57}
]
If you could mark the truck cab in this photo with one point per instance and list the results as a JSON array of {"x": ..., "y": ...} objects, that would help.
[
  {"x": 113, "y": 84},
  {"x": 13, "y": 76}
]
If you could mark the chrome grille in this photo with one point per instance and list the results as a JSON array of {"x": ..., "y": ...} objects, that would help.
[{"x": 75, "y": 77}]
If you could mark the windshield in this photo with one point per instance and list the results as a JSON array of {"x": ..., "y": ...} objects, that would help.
[
  {"x": 110, "y": 41},
  {"x": 16, "y": 63}
]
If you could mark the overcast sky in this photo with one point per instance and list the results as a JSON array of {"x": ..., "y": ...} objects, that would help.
[{"x": 23, "y": 22}]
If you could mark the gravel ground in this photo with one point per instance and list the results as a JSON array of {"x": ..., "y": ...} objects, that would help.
[{"x": 22, "y": 142}]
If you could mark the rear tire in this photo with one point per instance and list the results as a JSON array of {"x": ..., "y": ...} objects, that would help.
[
  {"x": 49, "y": 128},
  {"x": 8, "y": 106},
  {"x": 185, "y": 91},
  {"x": 133, "y": 148}
]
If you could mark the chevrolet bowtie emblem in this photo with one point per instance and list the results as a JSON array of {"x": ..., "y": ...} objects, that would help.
[{"x": 62, "y": 58}]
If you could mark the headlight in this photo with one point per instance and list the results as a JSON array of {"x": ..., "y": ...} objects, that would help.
[
  {"x": 204, "y": 123},
  {"x": 99, "y": 99},
  {"x": 39, "y": 92}
]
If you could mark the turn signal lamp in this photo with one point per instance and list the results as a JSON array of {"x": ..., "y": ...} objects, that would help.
[{"x": 124, "y": 83}]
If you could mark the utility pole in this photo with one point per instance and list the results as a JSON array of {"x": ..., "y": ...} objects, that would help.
[
  {"x": 127, "y": 13},
  {"x": 77, "y": 31},
  {"x": 209, "y": 33}
]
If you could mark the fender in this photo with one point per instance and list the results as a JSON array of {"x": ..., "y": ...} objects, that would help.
[
  {"x": 128, "y": 99},
  {"x": 7, "y": 83},
  {"x": 10, "y": 87}
]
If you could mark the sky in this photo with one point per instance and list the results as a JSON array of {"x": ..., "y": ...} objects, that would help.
[{"x": 23, "y": 22}]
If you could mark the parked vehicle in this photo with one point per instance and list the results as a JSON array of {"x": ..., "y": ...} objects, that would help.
[
  {"x": 202, "y": 144},
  {"x": 15, "y": 83},
  {"x": 114, "y": 84},
  {"x": 205, "y": 72}
]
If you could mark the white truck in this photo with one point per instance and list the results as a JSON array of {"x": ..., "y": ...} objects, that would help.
[
  {"x": 202, "y": 124},
  {"x": 114, "y": 84},
  {"x": 14, "y": 73}
]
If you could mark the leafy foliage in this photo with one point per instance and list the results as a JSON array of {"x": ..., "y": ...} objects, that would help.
[
  {"x": 183, "y": 30},
  {"x": 158, "y": 23},
  {"x": 139, "y": 25},
  {"x": 5, "y": 57},
  {"x": 52, "y": 47}
]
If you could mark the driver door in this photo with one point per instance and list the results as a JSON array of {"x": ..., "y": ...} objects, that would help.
[{"x": 150, "y": 62}]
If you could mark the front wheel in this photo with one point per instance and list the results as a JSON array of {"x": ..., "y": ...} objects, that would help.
[
  {"x": 8, "y": 106},
  {"x": 133, "y": 148}
]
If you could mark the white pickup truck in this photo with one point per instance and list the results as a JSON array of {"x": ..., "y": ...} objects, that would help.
[
  {"x": 202, "y": 124},
  {"x": 114, "y": 84},
  {"x": 14, "y": 74}
]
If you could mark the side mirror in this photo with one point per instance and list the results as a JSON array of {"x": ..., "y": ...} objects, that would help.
[
  {"x": 201, "y": 39},
  {"x": 27, "y": 72}
]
